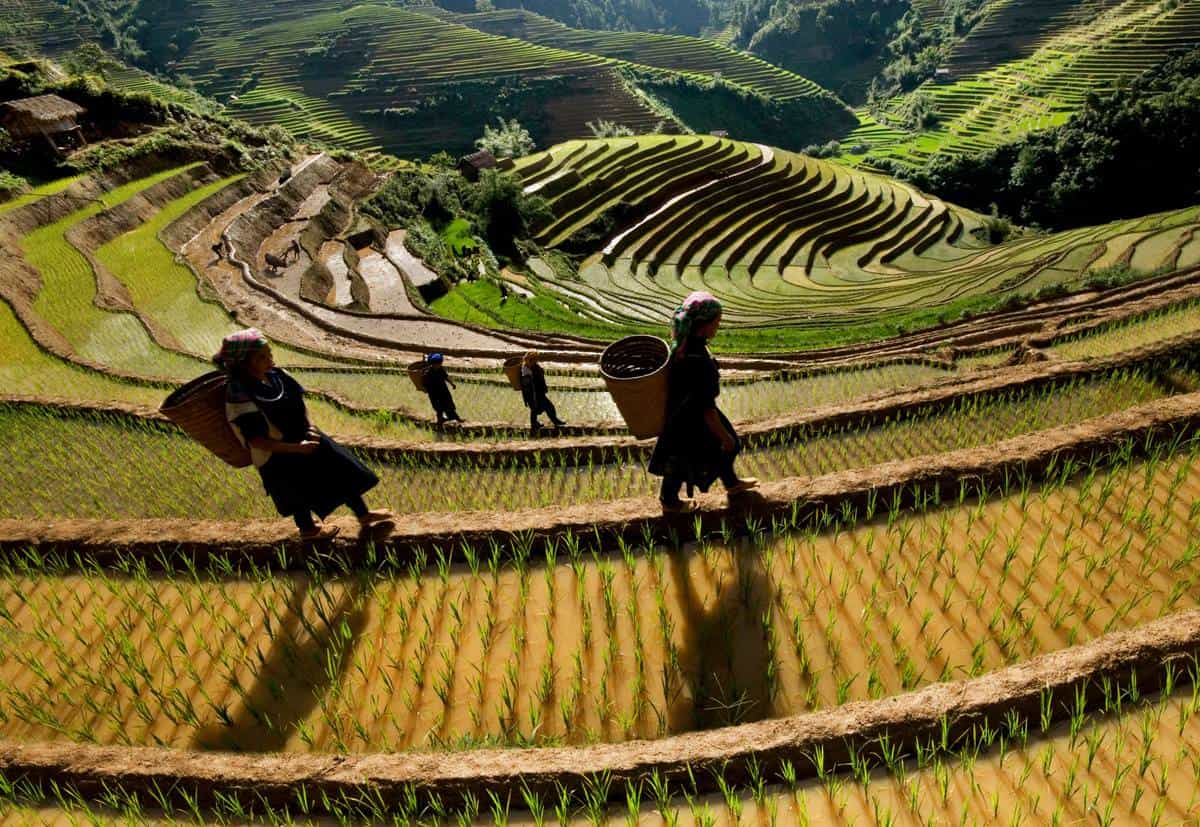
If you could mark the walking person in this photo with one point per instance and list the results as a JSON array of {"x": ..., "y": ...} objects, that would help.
[
  {"x": 437, "y": 385},
  {"x": 303, "y": 470},
  {"x": 698, "y": 443},
  {"x": 533, "y": 391}
]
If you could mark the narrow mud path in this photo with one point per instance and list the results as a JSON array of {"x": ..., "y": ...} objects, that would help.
[{"x": 635, "y": 519}]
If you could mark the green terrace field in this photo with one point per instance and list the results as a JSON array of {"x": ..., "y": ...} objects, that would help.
[
  {"x": 167, "y": 300},
  {"x": 933, "y": 517},
  {"x": 174, "y": 477},
  {"x": 676, "y": 52},
  {"x": 1027, "y": 66},
  {"x": 129, "y": 79},
  {"x": 780, "y": 238},
  {"x": 379, "y": 76},
  {"x": 31, "y": 26}
]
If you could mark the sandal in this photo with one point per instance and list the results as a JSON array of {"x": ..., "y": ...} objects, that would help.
[
  {"x": 321, "y": 532},
  {"x": 373, "y": 517},
  {"x": 744, "y": 484}
]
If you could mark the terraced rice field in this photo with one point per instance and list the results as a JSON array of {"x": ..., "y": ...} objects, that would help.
[
  {"x": 680, "y": 53},
  {"x": 67, "y": 297},
  {"x": 165, "y": 293},
  {"x": 786, "y": 239},
  {"x": 31, "y": 26},
  {"x": 576, "y": 648},
  {"x": 392, "y": 64},
  {"x": 1064, "y": 772},
  {"x": 37, "y": 192},
  {"x": 170, "y": 476},
  {"x": 1029, "y": 65},
  {"x": 942, "y": 518}
]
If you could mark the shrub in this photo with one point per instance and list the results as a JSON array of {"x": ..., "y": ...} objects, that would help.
[
  {"x": 508, "y": 139},
  {"x": 505, "y": 212},
  {"x": 601, "y": 128},
  {"x": 10, "y": 183}
]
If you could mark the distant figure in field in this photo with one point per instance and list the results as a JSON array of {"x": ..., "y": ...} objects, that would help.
[
  {"x": 221, "y": 249},
  {"x": 503, "y": 292},
  {"x": 533, "y": 391},
  {"x": 274, "y": 262},
  {"x": 698, "y": 443},
  {"x": 437, "y": 385},
  {"x": 302, "y": 469}
]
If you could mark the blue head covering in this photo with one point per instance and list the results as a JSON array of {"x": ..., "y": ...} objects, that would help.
[{"x": 434, "y": 357}]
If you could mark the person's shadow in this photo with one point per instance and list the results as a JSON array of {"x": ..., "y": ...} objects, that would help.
[
  {"x": 310, "y": 652},
  {"x": 724, "y": 651}
]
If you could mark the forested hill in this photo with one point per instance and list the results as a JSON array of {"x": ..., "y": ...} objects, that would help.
[
  {"x": 841, "y": 44},
  {"x": 676, "y": 16},
  {"x": 1129, "y": 153}
]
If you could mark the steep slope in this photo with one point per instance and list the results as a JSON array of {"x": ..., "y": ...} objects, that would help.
[{"x": 1027, "y": 66}]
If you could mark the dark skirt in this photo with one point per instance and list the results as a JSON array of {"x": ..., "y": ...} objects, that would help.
[
  {"x": 688, "y": 451},
  {"x": 318, "y": 482},
  {"x": 441, "y": 399}
]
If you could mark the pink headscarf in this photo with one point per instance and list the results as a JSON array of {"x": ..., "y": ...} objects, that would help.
[
  {"x": 698, "y": 307},
  {"x": 236, "y": 348}
]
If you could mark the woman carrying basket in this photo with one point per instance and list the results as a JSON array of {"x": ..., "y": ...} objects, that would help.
[
  {"x": 533, "y": 392},
  {"x": 437, "y": 385},
  {"x": 698, "y": 443},
  {"x": 302, "y": 469}
]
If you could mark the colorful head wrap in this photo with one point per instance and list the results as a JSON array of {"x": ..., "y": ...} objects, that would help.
[
  {"x": 699, "y": 307},
  {"x": 434, "y": 357},
  {"x": 236, "y": 348}
]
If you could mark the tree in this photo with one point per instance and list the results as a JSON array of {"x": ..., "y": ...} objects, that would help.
[
  {"x": 508, "y": 139},
  {"x": 505, "y": 212}
]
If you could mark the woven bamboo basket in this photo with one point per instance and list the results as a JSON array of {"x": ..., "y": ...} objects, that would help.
[
  {"x": 416, "y": 372},
  {"x": 512, "y": 369},
  {"x": 635, "y": 372},
  {"x": 199, "y": 409}
]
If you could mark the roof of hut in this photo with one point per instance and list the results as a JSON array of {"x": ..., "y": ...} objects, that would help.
[
  {"x": 44, "y": 108},
  {"x": 483, "y": 159}
]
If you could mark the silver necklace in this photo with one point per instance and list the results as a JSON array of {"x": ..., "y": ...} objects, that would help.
[{"x": 275, "y": 383}]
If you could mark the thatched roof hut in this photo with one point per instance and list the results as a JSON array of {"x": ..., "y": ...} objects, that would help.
[
  {"x": 44, "y": 115},
  {"x": 471, "y": 165}
]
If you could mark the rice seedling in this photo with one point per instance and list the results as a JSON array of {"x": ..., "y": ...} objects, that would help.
[
  {"x": 600, "y": 647},
  {"x": 55, "y": 463},
  {"x": 69, "y": 288}
]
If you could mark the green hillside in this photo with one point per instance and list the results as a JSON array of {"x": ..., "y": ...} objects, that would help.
[
  {"x": 676, "y": 52},
  {"x": 791, "y": 244},
  {"x": 1025, "y": 66},
  {"x": 413, "y": 82}
]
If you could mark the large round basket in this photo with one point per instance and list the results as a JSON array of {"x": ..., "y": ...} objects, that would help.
[
  {"x": 635, "y": 371},
  {"x": 416, "y": 372},
  {"x": 199, "y": 408},
  {"x": 512, "y": 369}
]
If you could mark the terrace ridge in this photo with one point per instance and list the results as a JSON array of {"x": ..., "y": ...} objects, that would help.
[
  {"x": 588, "y": 442},
  {"x": 732, "y": 753},
  {"x": 634, "y": 519}
]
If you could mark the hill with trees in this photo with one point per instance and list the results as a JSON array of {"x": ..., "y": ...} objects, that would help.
[
  {"x": 417, "y": 81},
  {"x": 1124, "y": 154}
]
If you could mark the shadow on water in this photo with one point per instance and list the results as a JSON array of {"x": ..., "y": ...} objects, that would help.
[
  {"x": 724, "y": 652},
  {"x": 312, "y": 646}
]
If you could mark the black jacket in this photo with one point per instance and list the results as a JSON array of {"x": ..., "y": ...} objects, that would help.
[{"x": 687, "y": 449}]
